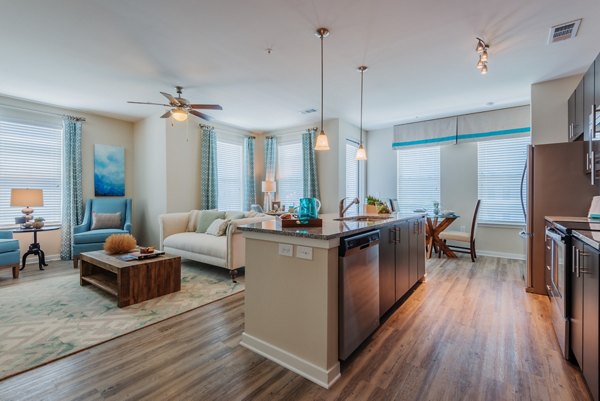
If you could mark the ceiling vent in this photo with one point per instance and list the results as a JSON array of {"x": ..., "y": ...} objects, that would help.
[
  {"x": 564, "y": 31},
  {"x": 308, "y": 111}
]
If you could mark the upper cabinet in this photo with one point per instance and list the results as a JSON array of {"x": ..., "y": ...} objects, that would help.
[
  {"x": 588, "y": 99},
  {"x": 571, "y": 105},
  {"x": 579, "y": 110}
]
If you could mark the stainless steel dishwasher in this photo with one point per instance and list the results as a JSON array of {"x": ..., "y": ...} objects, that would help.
[{"x": 359, "y": 290}]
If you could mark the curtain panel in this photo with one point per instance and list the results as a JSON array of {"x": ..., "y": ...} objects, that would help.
[
  {"x": 72, "y": 190},
  {"x": 208, "y": 168},
  {"x": 270, "y": 158},
  {"x": 249, "y": 179},
  {"x": 310, "y": 176}
]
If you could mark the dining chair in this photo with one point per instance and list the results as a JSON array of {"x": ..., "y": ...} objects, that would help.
[{"x": 459, "y": 236}]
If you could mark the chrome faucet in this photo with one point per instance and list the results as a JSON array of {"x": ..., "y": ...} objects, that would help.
[{"x": 344, "y": 210}]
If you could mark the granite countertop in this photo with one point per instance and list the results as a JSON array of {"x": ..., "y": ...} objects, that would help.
[
  {"x": 331, "y": 228},
  {"x": 554, "y": 219}
]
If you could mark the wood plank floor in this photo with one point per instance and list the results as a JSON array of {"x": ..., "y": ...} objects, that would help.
[{"x": 470, "y": 332}]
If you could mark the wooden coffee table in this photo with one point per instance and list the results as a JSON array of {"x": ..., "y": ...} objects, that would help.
[{"x": 131, "y": 282}]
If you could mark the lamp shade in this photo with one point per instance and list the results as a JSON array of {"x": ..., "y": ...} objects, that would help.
[
  {"x": 322, "y": 143},
  {"x": 20, "y": 197},
  {"x": 269, "y": 186}
]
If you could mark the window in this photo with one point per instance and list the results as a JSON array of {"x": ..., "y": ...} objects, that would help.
[
  {"x": 290, "y": 186},
  {"x": 30, "y": 157},
  {"x": 500, "y": 168},
  {"x": 352, "y": 171},
  {"x": 418, "y": 178},
  {"x": 230, "y": 151}
]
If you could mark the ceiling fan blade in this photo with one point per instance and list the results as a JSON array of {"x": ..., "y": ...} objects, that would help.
[
  {"x": 157, "y": 104},
  {"x": 167, "y": 114},
  {"x": 206, "y": 106},
  {"x": 201, "y": 115},
  {"x": 173, "y": 100}
]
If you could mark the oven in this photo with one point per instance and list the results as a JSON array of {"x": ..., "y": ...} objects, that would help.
[{"x": 557, "y": 258}]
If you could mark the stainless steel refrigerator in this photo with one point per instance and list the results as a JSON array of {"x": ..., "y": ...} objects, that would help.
[{"x": 557, "y": 185}]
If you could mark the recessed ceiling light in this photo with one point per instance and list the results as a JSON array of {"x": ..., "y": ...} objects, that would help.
[{"x": 489, "y": 104}]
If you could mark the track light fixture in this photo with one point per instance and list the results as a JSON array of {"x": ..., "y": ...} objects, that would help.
[{"x": 482, "y": 50}]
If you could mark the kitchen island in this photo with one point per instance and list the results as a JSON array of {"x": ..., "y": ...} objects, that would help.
[{"x": 292, "y": 289}]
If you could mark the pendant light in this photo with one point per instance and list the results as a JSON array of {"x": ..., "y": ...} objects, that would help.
[
  {"x": 322, "y": 143},
  {"x": 361, "y": 153}
]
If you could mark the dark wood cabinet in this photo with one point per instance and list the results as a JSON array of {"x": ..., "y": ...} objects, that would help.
[
  {"x": 548, "y": 263},
  {"x": 589, "y": 90},
  {"x": 571, "y": 117},
  {"x": 401, "y": 260},
  {"x": 585, "y": 309},
  {"x": 579, "y": 112}
]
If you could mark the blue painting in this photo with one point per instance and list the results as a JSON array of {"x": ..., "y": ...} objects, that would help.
[{"x": 109, "y": 170}]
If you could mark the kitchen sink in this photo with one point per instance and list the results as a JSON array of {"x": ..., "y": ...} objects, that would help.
[{"x": 362, "y": 218}]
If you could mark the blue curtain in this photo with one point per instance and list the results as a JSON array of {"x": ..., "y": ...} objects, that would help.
[
  {"x": 249, "y": 180},
  {"x": 270, "y": 158},
  {"x": 311, "y": 179},
  {"x": 208, "y": 168},
  {"x": 72, "y": 192}
]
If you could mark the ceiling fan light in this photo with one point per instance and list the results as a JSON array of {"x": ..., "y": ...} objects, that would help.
[
  {"x": 179, "y": 115},
  {"x": 322, "y": 143},
  {"x": 361, "y": 153}
]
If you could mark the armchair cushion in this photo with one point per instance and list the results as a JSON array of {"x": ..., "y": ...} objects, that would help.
[
  {"x": 8, "y": 245},
  {"x": 106, "y": 220},
  {"x": 96, "y": 236}
]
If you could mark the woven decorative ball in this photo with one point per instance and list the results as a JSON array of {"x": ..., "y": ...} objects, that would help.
[{"x": 119, "y": 243}]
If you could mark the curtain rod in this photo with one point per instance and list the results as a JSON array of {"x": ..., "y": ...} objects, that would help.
[
  {"x": 206, "y": 126},
  {"x": 41, "y": 112}
]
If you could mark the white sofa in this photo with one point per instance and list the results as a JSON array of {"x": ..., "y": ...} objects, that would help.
[{"x": 178, "y": 237}]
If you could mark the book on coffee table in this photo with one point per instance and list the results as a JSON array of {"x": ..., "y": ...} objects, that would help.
[{"x": 139, "y": 256}]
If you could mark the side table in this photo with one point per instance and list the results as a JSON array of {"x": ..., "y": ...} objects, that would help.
[{"x": 35, "y": 248}]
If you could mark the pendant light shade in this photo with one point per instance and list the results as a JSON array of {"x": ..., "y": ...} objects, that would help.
[
  {"x": 361, "y": 153},
  {"x": 322, "y": 143}
]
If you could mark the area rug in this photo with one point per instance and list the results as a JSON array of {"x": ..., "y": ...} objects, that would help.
[{"x": 52, "y": 317}]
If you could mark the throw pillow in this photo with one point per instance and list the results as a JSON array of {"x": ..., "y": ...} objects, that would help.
[
  {"x": 193, "y": 221},
  {"x": 218, "y": 227},
  {"x": 206, "y": 217},
  {"x": 233, "y": 215},
  {"x": 106, "y": 220}
]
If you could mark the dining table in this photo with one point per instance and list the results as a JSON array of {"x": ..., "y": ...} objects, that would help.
[{"x": 436, "y": 224}]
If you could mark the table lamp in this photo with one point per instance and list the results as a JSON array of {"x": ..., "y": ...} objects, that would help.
[
  {"x": 25, "y": 197},
  {"x": 268, "y": 187}
]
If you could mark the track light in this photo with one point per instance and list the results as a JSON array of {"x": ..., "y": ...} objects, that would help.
[
  {"x": 484, "y": 69},
  {"x": 484, "y": 56},
  {"x": 480, "y": 64},
  {"x": 482, "y": 50}
]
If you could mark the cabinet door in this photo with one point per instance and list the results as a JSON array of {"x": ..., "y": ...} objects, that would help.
[
  {"x": 576, "y": 320},
  {"x": 579, "y": 110},
  {"x": 548, "y": 264},
  {"x": 589, "y": 270},
  {"x": 402, "y": 259},
  {"x": 387, "y": 269},
  {"x": 421, "y": 250},
  {"x": 588, "y": 100},
  {"x": 571, "y": 115},
  {"x": 597, "y": 80},
  {"x": 413, "y": 275}
]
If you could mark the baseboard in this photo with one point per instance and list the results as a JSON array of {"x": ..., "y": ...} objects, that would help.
[
  {"x": 320, "y": 376},
  {"x": 33, "y": 260},
  {"x": 505, "y": 255}
]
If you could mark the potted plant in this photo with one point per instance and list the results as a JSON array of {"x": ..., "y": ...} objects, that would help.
[
  {"x": 372, "y": 206},
  {"x": 38, "y": 222}
]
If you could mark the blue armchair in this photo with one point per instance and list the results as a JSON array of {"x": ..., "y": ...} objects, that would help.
[
  {"x": 9, "y": 252},
  {"x": 85, "y": 239}
]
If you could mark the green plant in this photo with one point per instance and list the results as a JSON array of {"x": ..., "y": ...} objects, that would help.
[
  {"x": 373, "y": 201},
  {"x": 384, "y": 209},
  {"x": 39, "y": 219}
]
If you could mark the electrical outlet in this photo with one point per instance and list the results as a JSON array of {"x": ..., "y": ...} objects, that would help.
[
  {"x": 286, "y": 250},
  {"x": 304, "y": 252}
]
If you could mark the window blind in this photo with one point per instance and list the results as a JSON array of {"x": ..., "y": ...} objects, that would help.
[
  {"x": 500, "y": 168},
  {"x": 229, "y": 172},
  {"x": 290, "y": 170},
  {"x": 30, "y": 157},
  {"x": 418, "y": 178},
  {"x": 352, "y": 171}
]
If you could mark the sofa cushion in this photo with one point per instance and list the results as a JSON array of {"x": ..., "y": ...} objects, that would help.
[
  {"x": 232, "y": 215},
  {"x": 7, "y": 245},
  {"x": 218, "y": 227},
  {"x": 96, "y": 236},
  {"x": 206, "y": 217},
  {"x": 106, "y": 220},
  {"x": 192, "y": 221},
  {"x": 203, "y": 244}
]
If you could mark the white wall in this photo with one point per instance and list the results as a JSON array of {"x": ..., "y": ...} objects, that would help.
[
  {"x": 96, "y": 130},
  {"x": 381, "y": 164},
  {"x": 549, "y": 109}
]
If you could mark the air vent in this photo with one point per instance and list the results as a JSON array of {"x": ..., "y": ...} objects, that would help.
[
  {"x": 308, "y": 111},
  {"x": 564, "y": 31}
]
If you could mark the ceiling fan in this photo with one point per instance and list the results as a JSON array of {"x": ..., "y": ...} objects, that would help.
[{"x": 180, "y": 107}]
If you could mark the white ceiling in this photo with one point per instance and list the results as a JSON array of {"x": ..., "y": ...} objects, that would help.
[{"x": 96, "y": 55}]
